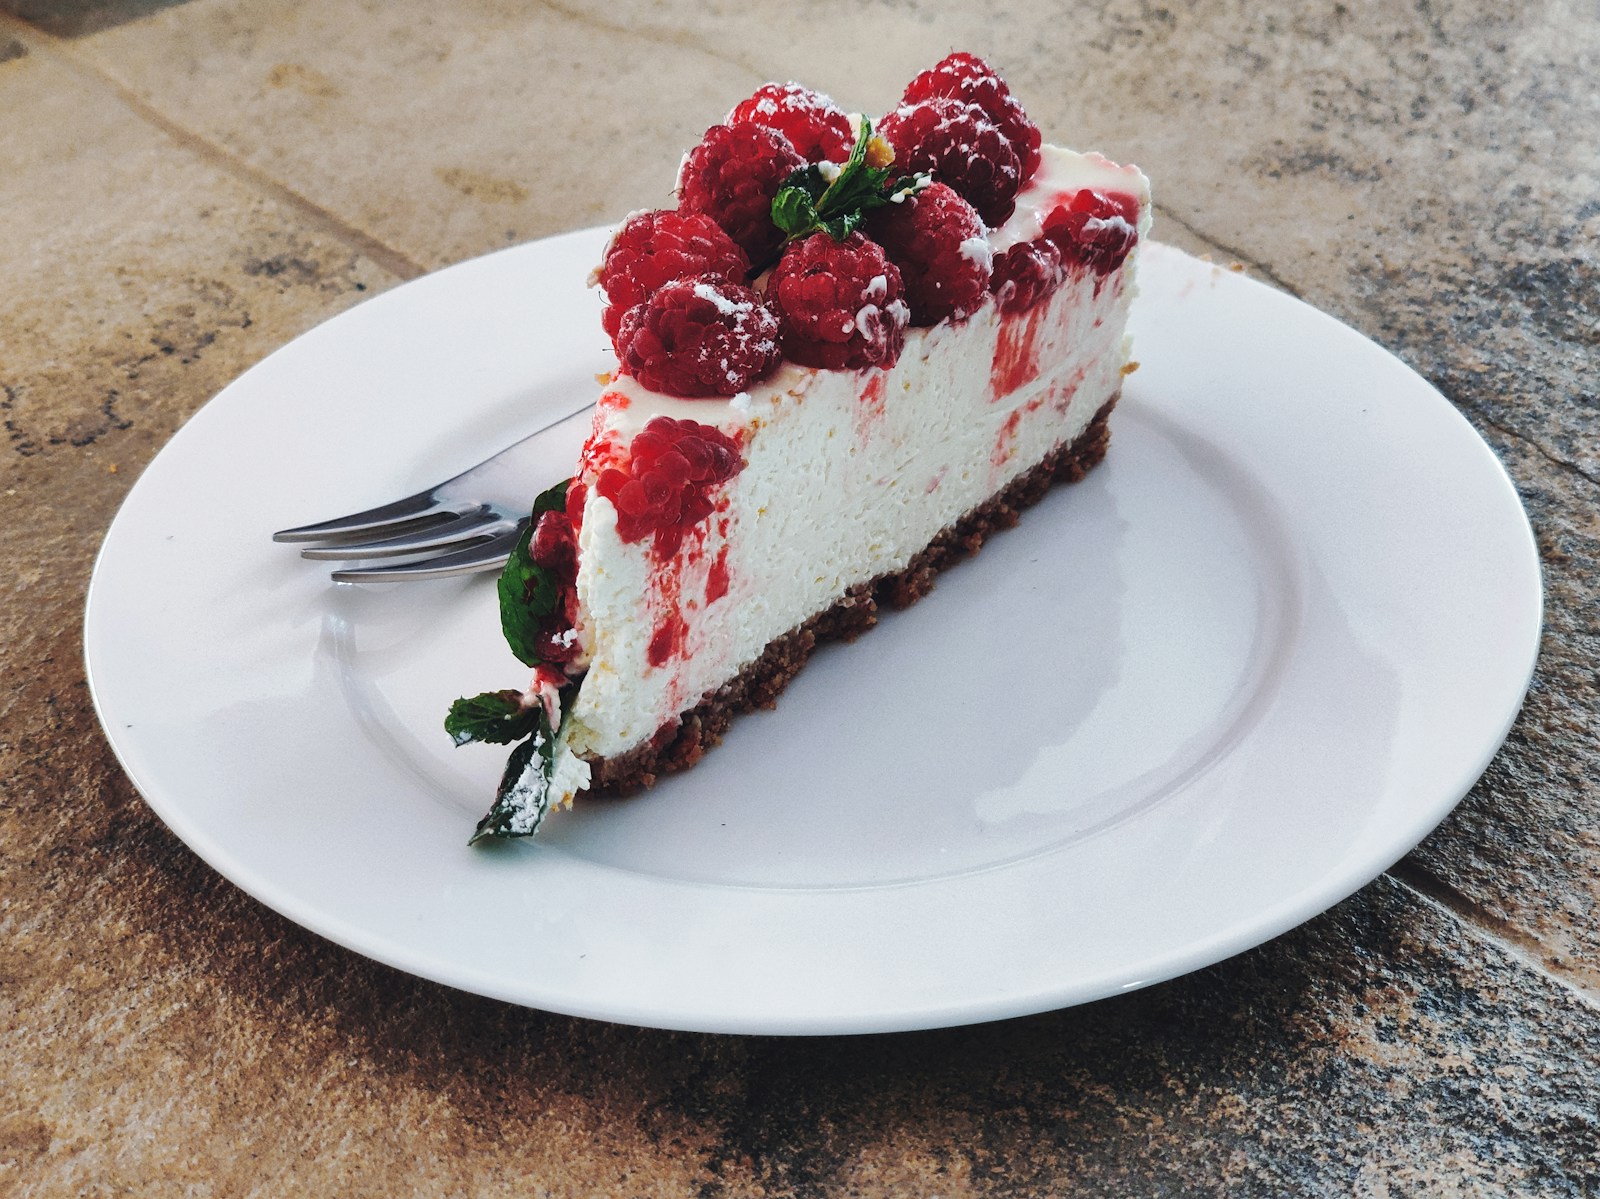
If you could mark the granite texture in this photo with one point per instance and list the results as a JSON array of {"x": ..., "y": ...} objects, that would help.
[{"x": 187, "y": 186}]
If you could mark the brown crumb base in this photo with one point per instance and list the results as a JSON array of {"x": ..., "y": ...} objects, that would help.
[{"x": 678, "y": 745}]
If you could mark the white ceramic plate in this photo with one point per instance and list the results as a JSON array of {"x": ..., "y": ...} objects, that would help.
[{"x": 1189, "y": 703}]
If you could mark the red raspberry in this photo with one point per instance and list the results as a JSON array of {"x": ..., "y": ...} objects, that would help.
[
  {"x": 1026, "y": 274},
  {"x": 554, "y": 546},
  {"x": 960, "y": 146},
  {"x": 967, "y": 77},
  {"x": 653, "y": 248},
  {"x": 937, "y": 240},
  {"x": 577, "y": 497},
  {"x": 732, "y": 175},
  {"x": 816, "y": 127},
  {"x": 699, "y": 337},
  {"x": 556, "y": 642},
  {"x": 839, "y": 303},
  {"x": 665, "y": 486},
  {"x": 1095, "y": 230}
]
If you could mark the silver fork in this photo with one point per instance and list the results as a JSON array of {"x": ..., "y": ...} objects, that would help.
[{"x": 468, "y": 523}]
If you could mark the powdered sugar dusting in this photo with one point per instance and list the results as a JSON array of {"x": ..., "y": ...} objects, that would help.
[
  {"x": 726, "y": 304},
  {"x": 699, "y": 337},
  {"x": 813, "y": 124},
  {"x": 978, "y": 251}
]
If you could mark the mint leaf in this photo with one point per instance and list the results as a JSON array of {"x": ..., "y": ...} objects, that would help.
[
  {"x": 858, "y": 152},
  {"x": 523, "y": 798},
  {"x": 794, "y": 210},
  {"x": 552, "y": 499},
  {"x": 842, "y": 227},
  {"x": 809, "y": 203},
  {"x": 497, "y": 717},
  {"x": 857, "y": 183},
  {"x": 528, "y": 591}
]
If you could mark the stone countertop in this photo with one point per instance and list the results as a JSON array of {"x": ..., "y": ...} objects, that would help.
[{"x": 186, "y": 186}]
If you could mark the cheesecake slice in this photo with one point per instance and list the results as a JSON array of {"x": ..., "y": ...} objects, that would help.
[{"x": 813, "y": 415}]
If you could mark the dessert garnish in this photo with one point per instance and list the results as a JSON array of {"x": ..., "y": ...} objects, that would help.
[
  {"x": 536, "y": 607},
  {"x": 834, "y": 199}
]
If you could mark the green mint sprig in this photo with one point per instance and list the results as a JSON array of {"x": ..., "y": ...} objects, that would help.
[
  {"x": 810, "y": 202},
  {"x": 528, "y": 593}
]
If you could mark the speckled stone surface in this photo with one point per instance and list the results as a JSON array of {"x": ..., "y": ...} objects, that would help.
[{"x": 186, "y": 186}]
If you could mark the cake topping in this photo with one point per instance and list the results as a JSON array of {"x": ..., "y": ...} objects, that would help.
[
  {"x": 1095, "y": 229},
  {"x": 732, "y": 176},
  {"x": 957, "y": 144},
  {"x": 839, "y": 303},
  {"x": 654, "y": 248},
  {"x": 532, "y": 775},
  {"x": 577, "y": 496},
  {"x": 816, "y": 127},
  {"x": 1025, "y": 274},
  {"x": 967, "y": 77},
  {"x": 537, "y": 608},
  {"x": 497, "y": 717},
  {"x": 833, "y": 199},
  {"x": 937, "y": 240},
  {"x": 553, "y": 545},
  {"x": 554, "y": 548},
  {"x": 664, "y": 486},
  {"x": 537, "y": 601},
  {"x": 699, "y": 337}
]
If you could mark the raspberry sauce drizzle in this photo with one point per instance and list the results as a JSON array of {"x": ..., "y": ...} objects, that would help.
[
  {"x": 1016, "y": 354},
  {"x": 871, "y": 406}
]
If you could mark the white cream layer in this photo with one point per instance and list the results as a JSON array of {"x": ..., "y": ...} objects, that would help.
[{"x": 848, "y": 475}]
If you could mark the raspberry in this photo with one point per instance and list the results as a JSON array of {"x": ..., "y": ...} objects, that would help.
[
  {"x": 554, "y": 546},
  {"x": 937, "y": 240},
  {"x": 556, "y": 641},
  {"x": 577, "y": 498},
  {"x": 1025, "y": 274},
  {"x": 664, "y": 488},
  {"x": 816, "y": 127},
  {"x": 699, "y": 337},
  {"x": 839, "y": 303},
  {"x": 967, "y": 77},
  {"x": 653, "y": 248},
  {"x": 1095, "y": 230},
  {"x": 960, "y": 146},
  {"x": 732, "y": 175}
]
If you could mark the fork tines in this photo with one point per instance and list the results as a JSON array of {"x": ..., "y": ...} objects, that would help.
[
  {"x": 489, "y": 554},
  {"x": 447, "y": 539}
]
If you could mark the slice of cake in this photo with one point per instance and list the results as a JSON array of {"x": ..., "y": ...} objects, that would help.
[{"x": 844, "y": 359}]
